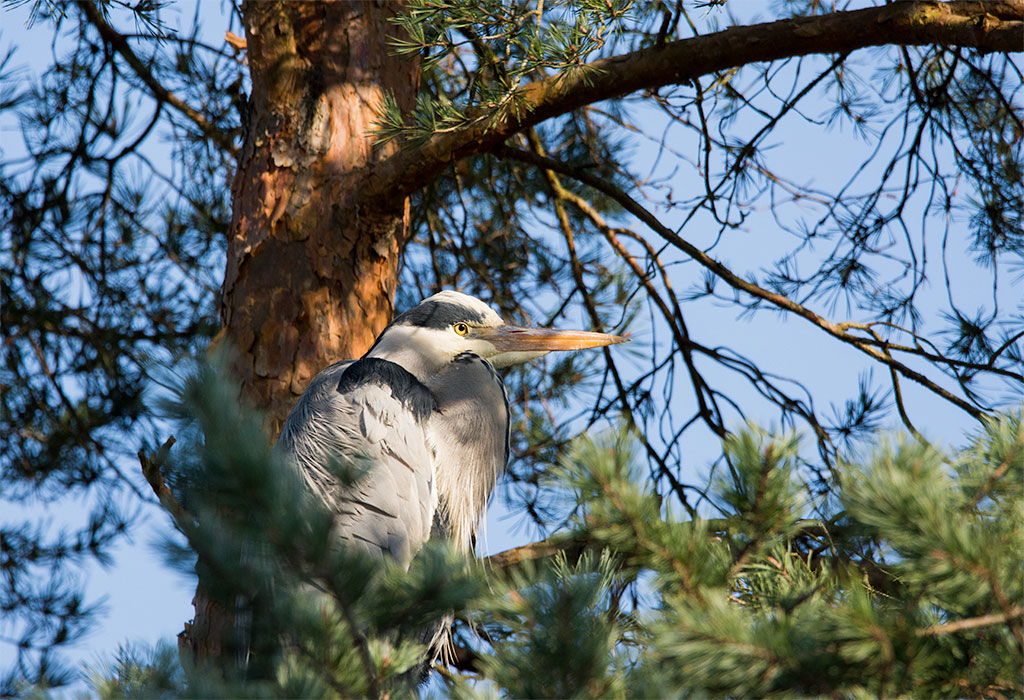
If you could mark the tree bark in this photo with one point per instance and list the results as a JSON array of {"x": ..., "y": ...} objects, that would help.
[{"x": 311, "y": 269}]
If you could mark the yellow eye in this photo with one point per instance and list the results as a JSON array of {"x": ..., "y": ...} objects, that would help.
[{"x": 461, "y": 328}]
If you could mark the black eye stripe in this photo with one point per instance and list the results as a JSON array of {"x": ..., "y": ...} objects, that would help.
[{"x": 439, "y": 315}]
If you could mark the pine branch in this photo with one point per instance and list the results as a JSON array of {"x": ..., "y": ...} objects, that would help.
[
  {"x": 994, "y": 476},
  {"x": 151, "y": 467},
  {"x": 1013, "y": 619},
  {"x": 987, "y": 26},
  {"x": 971, "y": 623},
  {"x": 935, "y": 356},
  {"x": 362, "y": 645},
  {"x": 573, "y": 547}
]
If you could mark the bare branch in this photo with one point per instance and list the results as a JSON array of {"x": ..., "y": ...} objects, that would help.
[
  {"x": 837, "y": 330},
  {"x": 237, "y": 42},
  {"x": 120, "y": 44}
]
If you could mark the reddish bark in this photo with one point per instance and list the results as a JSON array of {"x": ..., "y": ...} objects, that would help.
[{"x": 311, "y": 270}]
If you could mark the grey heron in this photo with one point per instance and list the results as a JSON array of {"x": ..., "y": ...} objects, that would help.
[{"x": 427, "y": 411}]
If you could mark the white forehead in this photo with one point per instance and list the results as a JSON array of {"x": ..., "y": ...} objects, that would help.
[{"x": 476, "y": 306}]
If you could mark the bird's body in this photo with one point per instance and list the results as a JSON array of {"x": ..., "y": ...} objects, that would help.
[
  {"x": 407, "y": 442},
  {"x": 433, "y": 451},
  {"x": 424, "y": 416},
  {"x": 358, "y": 416}
]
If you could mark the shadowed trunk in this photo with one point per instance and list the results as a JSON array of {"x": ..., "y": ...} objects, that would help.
[{"x": 311, "y": 269}]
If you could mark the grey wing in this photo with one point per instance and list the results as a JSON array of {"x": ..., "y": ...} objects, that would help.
[
  {"x": 469, "y": 436},
  {"x": 389, "y": 510}
]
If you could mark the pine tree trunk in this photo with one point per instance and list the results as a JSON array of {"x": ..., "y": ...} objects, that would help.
[{"x": 311, "y": 269}]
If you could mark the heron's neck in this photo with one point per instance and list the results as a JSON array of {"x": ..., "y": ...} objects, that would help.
[{"x": 411, "y": 348}]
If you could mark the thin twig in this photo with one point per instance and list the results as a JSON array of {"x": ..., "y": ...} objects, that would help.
[
  {"x": 120, "y": 44},
  {"x": 560, "y": 195}
]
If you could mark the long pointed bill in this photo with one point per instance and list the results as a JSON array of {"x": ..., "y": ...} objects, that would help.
[{"x": 513, "y": 339}]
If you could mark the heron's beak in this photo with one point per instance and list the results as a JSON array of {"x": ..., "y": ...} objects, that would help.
[{"x": 513, "y": 339}]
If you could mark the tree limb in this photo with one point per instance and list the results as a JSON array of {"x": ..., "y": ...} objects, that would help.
[
  {"x": 120, "y": 44},
  {"x": 572, "y": 546},
  {"x": 987, "y": 26},
  {"x": 971, "y": 623},
  {"x": 151, "y": 470}
]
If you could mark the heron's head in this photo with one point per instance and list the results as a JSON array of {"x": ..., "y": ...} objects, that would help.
[{"x": 444, "y": 326}]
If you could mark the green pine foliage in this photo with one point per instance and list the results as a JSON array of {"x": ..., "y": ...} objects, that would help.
[
  {"x": 141, "y": 673},
  {"x": 556, "y": 632},
  {"x": 904, "y": 582},
  {"x": 907, "y": 584}
]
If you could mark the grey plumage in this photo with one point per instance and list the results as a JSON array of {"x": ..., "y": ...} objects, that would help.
[
  {"x": 469, "y": 437},
  {"x": 424, "y": 417},
  {"x": 360, "y": 424},
  {"x": 434, "y": 451}
]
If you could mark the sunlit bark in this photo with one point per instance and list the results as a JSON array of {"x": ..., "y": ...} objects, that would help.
[{"x": 311, "y": 269}]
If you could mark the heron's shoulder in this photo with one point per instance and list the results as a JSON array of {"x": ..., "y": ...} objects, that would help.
[{"x": 404, "y": 387}]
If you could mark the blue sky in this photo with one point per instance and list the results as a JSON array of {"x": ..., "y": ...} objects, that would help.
[{"x": 145, "y": 601}]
